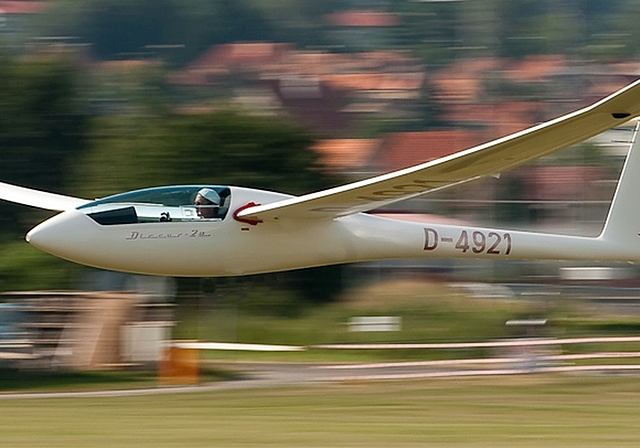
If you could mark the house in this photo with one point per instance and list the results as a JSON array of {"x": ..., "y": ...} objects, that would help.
[
  {"x": 14, "y": 15},
  {"x": 363, "y": 30},
  {"x": 346, "y": 155},
  {"x": 535, "y": 68},
  {"x": 221, "y": 60},
  {"x": 403, "y": 149}
]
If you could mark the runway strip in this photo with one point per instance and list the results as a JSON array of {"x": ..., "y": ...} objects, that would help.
[
  {"x": 269, "y": 375},
  {"x": 210, "y": 387},
  {"x": 535, "y": 342},
  {"x": 503, "y": 360},
  {"x": 490, "y": 372}
]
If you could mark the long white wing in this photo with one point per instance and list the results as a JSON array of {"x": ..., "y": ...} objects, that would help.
[
  {"x": 488, "y": 159},
  {"x": 39, "y": 199}
]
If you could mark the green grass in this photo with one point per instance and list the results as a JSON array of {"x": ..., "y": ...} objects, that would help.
[{"x": 523, "y": 411}]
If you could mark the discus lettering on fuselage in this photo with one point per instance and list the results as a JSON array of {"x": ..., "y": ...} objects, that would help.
[{"x": 156, "y": 205}]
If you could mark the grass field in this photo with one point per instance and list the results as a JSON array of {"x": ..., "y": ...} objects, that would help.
[{"x": 523, "y": 411}]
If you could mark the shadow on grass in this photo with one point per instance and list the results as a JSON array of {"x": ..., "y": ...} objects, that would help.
[
  {"x": 15, "y": 379},
  {"x": 12, "y": 380}
]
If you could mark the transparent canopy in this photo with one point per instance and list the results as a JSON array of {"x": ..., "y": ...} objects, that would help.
[{"x": 161, "y": 204}]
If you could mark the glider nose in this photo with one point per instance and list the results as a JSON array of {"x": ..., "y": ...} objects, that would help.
[{"x": 59, "y": 235}]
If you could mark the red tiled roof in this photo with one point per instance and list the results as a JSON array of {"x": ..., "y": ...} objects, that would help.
[
  {"x": 535, "y": 68},
  {"x": 515, "y": 116},
  {"x": 363, "y": 19},
  {"x": 470, "y": 68},
  {"x": 458, "y": 89},
  {"x": 404, "y": 149},
  {"x": 241, "y": 54},
  {"x": 498, "y": 119},
  {"x": 374, "y": 81},
  {"x": 463, "y": 80},
  {"x": 561, "y": 182},
  {"x": 603, "y": 88},
  {"x": 125, "y": 65},
  {"x": 15, "y": 7},
  {"x": 345, "y": 154}
]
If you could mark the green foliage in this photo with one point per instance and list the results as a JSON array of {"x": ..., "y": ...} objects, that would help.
[
  {"x": 41, "y": 119},
  {"x": 429, "y": 312},
  {"x": 21, "y": 380},
  {"x": 175, "y": 29},
  {"x": 42, "y": 126},
  {"x": 316, "y": 285},
  {"x": 47, "y": 142},
  {"x": 39, "y": 127},
  {"x": 219, "y": 148},
  {"x": 430, "y": 29},
  {"x": 508, "y": 90},
  {"x": 511, "y": 197},
  {"x": 439, "y": 32},
  {"x": 268, "y": 301},
  {"x": 23, "y": 267}
]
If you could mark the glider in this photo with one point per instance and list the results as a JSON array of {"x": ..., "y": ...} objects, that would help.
[{"x": 210, "y": 230}]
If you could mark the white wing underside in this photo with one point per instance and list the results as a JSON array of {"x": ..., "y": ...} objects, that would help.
[
  {"x": 489, "y": 159},
  {"x": 39, "y": 199}
]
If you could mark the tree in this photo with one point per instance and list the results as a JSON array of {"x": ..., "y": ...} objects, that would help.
[
  {"x": 42, "y": 124},
  {"x": 41, "y": 119},
  {"x": 217, "y": 148},
  {"x": 42, "y": 128},
  {"x": 178, "y": 29}
]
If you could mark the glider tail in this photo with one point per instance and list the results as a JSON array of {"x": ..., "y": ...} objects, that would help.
[{"x": 622, "y": 226}]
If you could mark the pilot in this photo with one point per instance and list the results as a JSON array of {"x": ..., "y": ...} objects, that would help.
[{"x": 207, "y": 203}]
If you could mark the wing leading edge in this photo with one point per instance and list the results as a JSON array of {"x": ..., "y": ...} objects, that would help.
[
  {"x": 488, "y": 159},
  {"x": 39, "y": 199}
]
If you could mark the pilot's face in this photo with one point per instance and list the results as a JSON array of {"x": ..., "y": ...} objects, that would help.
[{"x": 205, "y": 208}]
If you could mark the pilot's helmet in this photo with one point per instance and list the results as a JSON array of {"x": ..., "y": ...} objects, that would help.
[{"x": 210, "y": 195}]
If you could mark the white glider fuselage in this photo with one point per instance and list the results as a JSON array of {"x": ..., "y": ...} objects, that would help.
[
  {"x": 163, "y": 231},
  {"x": 202, "y": 248}
]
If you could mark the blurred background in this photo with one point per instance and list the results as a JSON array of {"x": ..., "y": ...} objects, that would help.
[{"x": 104, "y": 96}]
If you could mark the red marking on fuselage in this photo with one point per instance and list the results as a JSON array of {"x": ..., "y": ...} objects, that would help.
[{"x": 250, "y": 221}]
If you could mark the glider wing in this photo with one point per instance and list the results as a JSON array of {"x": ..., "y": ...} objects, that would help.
[
  {"x": 488, "y": 159},
  {"x": 39, "y": 199}
]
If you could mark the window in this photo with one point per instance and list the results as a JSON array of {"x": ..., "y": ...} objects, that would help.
[{"x": 161, "y": 205}]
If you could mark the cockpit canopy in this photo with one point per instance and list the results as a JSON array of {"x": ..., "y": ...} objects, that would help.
[{"x": 161, "y": 204}]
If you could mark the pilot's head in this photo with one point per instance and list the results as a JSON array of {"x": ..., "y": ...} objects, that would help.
[{"x": 207, "y": 202}]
